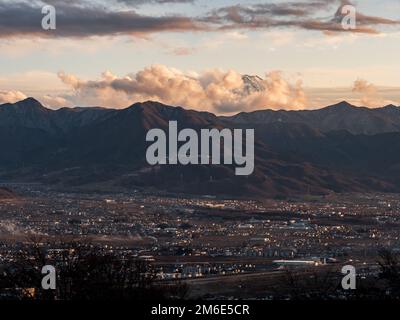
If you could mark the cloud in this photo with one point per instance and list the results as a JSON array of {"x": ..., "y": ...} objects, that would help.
[
  {"x": 369, "y": 93},
  {"x": 85, "y": 20},
  {"x": 53, "y": 102},
  {"x": 183, "y": 51},
  {"x": 215, "y": 90},
  {"x": 81, "y": 19},
  {"x": 11, "y": 96},
  {"x": 300, "y": 15}
]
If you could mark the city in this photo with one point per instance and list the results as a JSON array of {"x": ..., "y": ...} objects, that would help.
[{"x": 206, "y": 240}]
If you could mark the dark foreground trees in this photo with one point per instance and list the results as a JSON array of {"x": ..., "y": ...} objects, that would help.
[
  {"x": 83, "y": 272},
  {"x": 389, "y": 265}
]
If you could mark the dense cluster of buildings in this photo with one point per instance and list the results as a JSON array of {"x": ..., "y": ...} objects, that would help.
[{"x": 204, "y": 236}]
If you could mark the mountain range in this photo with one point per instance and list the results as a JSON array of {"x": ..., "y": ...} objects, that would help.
[{"x": 339, "y": 148}]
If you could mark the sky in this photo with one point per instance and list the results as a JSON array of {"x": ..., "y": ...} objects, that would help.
[{"x": 193, "y": 53}]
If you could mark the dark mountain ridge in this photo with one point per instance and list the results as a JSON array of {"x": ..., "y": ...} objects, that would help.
[
  {"x": 340, "y": 148},
  {"x": 341, "y": 116}
]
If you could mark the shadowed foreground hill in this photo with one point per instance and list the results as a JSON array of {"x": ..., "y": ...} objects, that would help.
[{"x": 340, "y": 148}]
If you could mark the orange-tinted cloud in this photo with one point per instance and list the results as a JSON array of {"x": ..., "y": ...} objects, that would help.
[
  {"x": 212, "y": 90},
  {"x": 369, "y": 93},
  {"x": 11, "y": 96},
  {"x": 54, "y": 102}
]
